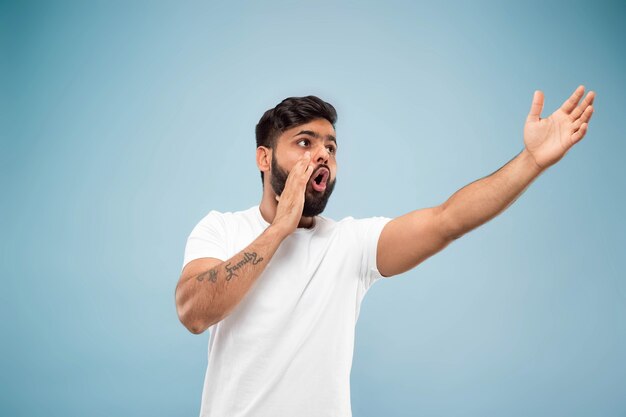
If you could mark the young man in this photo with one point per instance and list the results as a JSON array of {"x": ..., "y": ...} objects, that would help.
[{"x": 280, "y": 287}]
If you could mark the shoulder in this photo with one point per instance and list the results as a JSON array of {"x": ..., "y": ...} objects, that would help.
[{"x": 223, "y": 222}]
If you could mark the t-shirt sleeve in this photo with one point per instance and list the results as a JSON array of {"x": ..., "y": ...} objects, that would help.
[
  {"x": 207, "y": 239},
  {"x": 368, "y": 232}
]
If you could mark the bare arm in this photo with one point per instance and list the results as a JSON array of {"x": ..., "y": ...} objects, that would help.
[
  {"x": 408, "y": 240},
  {"x": 209, "y": 289},
  {"x": 482, "y": 200}
]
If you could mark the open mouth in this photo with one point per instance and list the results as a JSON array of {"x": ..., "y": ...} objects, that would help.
[{"x": 319, "y": 179}]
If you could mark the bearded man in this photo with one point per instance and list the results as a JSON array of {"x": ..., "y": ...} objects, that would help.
[{"x": 280, "y": 287}]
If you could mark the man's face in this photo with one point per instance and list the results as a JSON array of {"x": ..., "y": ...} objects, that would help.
[{"x": 317, "y": 137}]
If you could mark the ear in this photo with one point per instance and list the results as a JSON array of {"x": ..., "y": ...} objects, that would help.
[{"x": 263, "y": 158}]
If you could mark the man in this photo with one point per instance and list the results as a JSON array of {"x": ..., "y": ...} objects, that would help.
[{"x": 280, "y": 286}]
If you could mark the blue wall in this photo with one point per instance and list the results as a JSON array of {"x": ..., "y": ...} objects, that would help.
[{"x": 124, "y": 124}]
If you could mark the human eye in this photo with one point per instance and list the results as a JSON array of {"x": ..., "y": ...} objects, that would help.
[
  {"x": 303, "y": 142},
  {"x": 331, "y": 149}
]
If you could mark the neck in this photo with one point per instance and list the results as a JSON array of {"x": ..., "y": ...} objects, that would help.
[{"x": 269, "y": 205}]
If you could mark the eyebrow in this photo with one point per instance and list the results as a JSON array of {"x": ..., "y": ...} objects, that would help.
[{"x": 315, "y": 135}]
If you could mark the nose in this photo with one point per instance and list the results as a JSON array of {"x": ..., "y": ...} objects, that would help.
[{"x": 322, "y": 154}]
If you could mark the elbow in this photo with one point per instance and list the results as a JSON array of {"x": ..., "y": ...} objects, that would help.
[
  {"x": 193, "y": 325},
  {"x": 195, "y": 329},
  {"x": 450, "y": 227},
  {"x": 454, "y": 235},
  {"x": 188, "y": 316}
]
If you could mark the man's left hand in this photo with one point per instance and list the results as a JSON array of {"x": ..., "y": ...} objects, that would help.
[{"x": 548, "y": 140}]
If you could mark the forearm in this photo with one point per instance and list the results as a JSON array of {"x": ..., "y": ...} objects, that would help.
[
  {"x": 484, "y": 199},
  {"x": 207, "y": 297}
]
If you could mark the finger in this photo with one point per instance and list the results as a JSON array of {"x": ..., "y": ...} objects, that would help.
[
  {"x": 298, "y": 173},
  {"x": 305, "y": 171},
  {"x": 587, "y": 114},
  {"x": 570, "y": 103},
  {"x": 580, "y": 109},
  {"x": 580, "y": 133},
  {"x": 303, "y": 162},
  {"x": 584, "y": 118},
  {"x": 306, "y": 174},
  {"x": 300, "y": 166},
  {"x": 536, "y": 107}
]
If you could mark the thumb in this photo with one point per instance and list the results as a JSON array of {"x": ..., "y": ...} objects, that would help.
[{"x": 536, "y": 107}]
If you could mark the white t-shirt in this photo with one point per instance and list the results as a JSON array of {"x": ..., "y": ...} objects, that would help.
[{"x": 286, "y": 349}]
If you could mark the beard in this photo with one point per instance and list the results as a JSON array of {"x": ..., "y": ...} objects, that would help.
[{"x": 314, "y": 201}]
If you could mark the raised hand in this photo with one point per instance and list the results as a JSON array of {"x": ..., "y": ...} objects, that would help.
[
  {"x": 291, "y": 201},
  {"x": 548, "y": 140}
]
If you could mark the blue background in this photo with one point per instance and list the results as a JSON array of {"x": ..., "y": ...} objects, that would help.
[{"x": 123, "y": 124}]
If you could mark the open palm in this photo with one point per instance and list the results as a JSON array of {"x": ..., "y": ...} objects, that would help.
[{"x": 548, "y": 140}]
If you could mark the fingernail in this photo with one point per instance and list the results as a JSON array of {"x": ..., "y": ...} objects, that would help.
[{"x": 307, "y": 154}]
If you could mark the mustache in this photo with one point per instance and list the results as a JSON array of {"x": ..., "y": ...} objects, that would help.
[{"x": 321, "y": 166}]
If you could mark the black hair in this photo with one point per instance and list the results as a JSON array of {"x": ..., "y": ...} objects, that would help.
[{"x": 291, "y": 112}]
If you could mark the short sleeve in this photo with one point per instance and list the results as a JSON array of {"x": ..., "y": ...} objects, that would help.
[
  {"x": 368, "y": 232},
  {"x": 207, "y": 239}
]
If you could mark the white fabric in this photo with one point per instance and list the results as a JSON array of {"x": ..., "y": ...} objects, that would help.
[{"x": 286, "y": 349}]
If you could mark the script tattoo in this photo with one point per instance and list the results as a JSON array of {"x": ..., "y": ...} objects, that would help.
[
  {"x": 212, "y": 275},
  {"x": 247, "y": 257}
]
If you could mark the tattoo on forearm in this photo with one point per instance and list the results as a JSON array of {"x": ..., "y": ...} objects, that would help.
[
  {"x": 248, "y": 257},
  {"x": 210, "y": 275}
]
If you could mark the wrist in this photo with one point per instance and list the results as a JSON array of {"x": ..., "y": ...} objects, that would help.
[
  {"x": 530, "y": 162},
  {"x": 277, "y": 232}
]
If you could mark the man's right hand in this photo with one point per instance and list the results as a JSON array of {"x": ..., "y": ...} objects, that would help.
[{"x": 291, "y": 201}]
